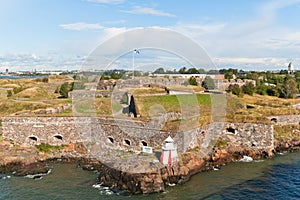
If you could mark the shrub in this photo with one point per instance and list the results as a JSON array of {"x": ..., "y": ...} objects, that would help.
[
  {"x": 47, "y": 148},
  {"x": 65, "y": 88},
  {"x": 208, "y": 83},
  {"x": 9, "y": 93},
  {"x": 235, "y": 89},
  {"x": 248, "y": 88},
  {"x": 18, "y": 89},
  {"x": 193, "y": 81}
]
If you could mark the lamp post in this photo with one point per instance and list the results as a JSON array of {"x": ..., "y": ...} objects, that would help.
[{"x": 134, "y": 52}]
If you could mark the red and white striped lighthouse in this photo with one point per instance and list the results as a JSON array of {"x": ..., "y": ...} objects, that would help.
[{"x": 169, "y": 152}]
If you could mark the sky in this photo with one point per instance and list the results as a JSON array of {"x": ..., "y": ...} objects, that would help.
[{"x": 61, "y": 34}]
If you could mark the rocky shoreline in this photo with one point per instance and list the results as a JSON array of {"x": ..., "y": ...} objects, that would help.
[{"x": 21, "y": 160}]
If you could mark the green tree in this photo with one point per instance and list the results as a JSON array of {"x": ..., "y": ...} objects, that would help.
[
  {"x": 272, "y": 91},
  {"x": 65, "y": 88},
  {"x": 228, "y": 75},
  {"x": 235, "y": 89},
  {"x": 182, "y": 70},
  {"x": 288, "y": 89},
  {"x": 192, "y": 71},
  {"x": 261, "y": 89},
  {"x": 201, "y": 71},
  {"x": 208, "y": 83},
  {"x": 193, "y": 81},
  {"x": 159, "y": 71},
  {"x": 248, "y": 88}
]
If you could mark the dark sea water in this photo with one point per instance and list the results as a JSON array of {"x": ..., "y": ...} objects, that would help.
[{"x": 276, "y": 178}]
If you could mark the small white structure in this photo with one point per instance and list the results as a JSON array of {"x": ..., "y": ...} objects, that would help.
[
  {"x": 146, "y": 149},
  {"x": 169, "y": 152},
  {"x": 290, "y": 68}
]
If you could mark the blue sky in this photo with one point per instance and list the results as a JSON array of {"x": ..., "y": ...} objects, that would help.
[{"x": 60, "y": 34}]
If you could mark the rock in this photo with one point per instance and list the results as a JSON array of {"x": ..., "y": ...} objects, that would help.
[
  {"x": 246, "y": 159},
  {"x": 32, "y": 169}
]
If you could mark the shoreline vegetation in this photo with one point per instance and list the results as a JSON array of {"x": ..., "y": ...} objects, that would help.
[{"x": 273, "y": 94}]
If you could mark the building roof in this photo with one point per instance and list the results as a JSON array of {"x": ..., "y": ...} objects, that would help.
[{"x": 169, "y": 139}]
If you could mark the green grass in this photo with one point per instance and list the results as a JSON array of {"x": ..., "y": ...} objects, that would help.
[
  {"x": 9, "y": 107},
  {"x": 192, "y": 105},
  {"x": 47, "y": 148},
  {"x": 171, "y": 103},
  {"x": 286, "y": 132},
  {"x": 116, "y": 106},
  {"x": 67, "y": 112},
  {"x": 221, "y": 143}
]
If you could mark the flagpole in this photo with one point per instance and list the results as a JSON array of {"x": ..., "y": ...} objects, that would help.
[{"x": 133, "y": 52}]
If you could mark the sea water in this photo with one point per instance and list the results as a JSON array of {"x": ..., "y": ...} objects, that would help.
[{"x": 276, "y": 178}]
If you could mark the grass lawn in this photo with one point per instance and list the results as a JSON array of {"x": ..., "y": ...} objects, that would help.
[
  {"x": 189, "y": 105},
  {"x": 287, "y": 132},
  {"x": 262, "y": 107}
]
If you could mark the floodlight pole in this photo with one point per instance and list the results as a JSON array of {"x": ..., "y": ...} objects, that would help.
[{"x": 133, "y": 52}]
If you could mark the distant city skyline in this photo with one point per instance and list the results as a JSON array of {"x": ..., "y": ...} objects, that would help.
[{"x": 251, "y": 34}]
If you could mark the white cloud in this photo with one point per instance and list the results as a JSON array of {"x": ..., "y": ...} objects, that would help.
[
  {"x": 148, "y": 11},
  {"x": 195, "y": 30},
  {"x": 261, "y": 64},
  {"x": 32, "y": 61},
  {"x": 107, "y": 1},
  {"x": 250, "y": 60},
  {"x": 122, "y": 21},
  {"x": 81, "y": 26}
]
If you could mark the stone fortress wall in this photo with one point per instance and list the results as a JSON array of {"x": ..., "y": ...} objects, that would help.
[
  {"x": 128, "y": 134},
  {"x": 285, "y": 120}
]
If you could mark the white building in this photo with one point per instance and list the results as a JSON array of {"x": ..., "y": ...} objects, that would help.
[
  {"x": 291, "y": 68},
  {"x": 169, "y": 152}
]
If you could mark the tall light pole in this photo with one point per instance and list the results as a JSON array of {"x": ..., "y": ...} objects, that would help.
[{"x": 134, "y": 52}]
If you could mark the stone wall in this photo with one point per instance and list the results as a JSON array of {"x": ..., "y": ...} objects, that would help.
[
  {"x": 124, "y": 134},
  {"x": 285, "y": 120},
  {"x": 128, "y": 134}
]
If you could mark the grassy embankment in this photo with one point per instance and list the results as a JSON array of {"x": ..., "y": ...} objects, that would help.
[
  {"x": 30, "y": 94},
  {"x": 194, "y": 108},
  {"x": 256, "y": 108}
]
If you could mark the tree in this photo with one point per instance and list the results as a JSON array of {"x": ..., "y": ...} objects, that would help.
[
  {"x": 182, "y": 70},
  {"x": 235, "y": 89},
  {"x": 248, "y": 88},
  {"x": 228, "y": 75},
  {"x": 261, "y": 89},
  {"x": 201, "y": 71},
  {"x": 272, "y": 91},
  {"x": 192, "y": 71},
  {"x": 288, "y": 89},
  {"x": 208, "y": 83},
  {"x": 65, "y": 88},
  {"x": 193, "y": 81},
  {"x": 159, "y": 71}
]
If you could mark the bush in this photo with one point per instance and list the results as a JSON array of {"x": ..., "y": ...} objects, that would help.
[
  {"x": 261, "y": 89},
  {"x": 236, "y": 90},
  {"x": 18, "y": 89},
  {"x": 47, "y": 148},
  {"x": 193, "y": 81},
  {"x": 248, "y": 88},
  {"x": 9, "y": 93},
  {"x": 65, "y": 88},
  {"x": 208, "y": 83}
]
